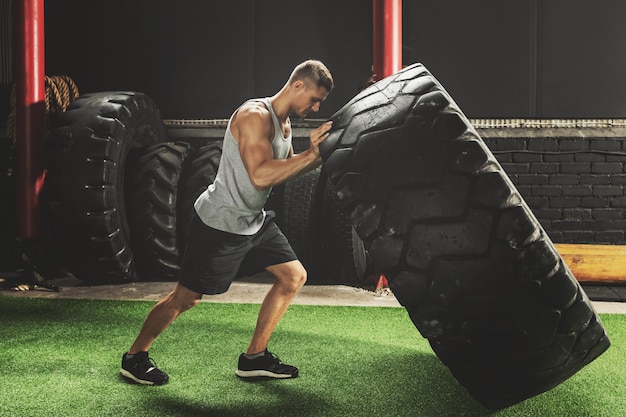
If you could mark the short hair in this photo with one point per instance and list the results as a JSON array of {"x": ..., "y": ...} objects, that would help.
[{"x": 315, "y": 72}]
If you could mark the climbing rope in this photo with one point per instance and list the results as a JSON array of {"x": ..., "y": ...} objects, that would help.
[{"x": 60, "y": 92}]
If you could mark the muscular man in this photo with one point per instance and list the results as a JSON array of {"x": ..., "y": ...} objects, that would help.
[{"x": 230, "y": 224}]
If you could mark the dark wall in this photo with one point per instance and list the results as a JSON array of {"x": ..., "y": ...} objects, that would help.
[
  {"x": 527, "y": 58},
  {"x": 479, "y": 50},
  {"x": 581, "y": 62},
  {"x": 201, "y": 59}
]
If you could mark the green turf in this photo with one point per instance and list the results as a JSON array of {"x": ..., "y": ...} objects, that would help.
[{"x": 61, "y": 358}]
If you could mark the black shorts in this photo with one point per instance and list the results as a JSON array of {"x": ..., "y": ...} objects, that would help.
[{"x": 214, "y": 258}]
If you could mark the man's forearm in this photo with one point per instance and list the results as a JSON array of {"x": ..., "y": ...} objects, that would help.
[
  {"x": 311, "y": 167},
  {"x": 277, "y": 171}
]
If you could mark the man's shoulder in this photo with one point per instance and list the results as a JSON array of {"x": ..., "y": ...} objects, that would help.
[
  {"x": 253, "y": 114},
  {"x": 254, "y": 108}
]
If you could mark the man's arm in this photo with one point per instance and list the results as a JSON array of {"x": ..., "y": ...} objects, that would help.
[{"x": 255, "y": 133}]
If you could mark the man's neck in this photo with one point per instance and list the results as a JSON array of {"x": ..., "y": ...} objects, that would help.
[{"x": 281, "y": 106}]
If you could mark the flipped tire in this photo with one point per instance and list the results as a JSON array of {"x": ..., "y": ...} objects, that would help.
[
  {"x": 462, "y": 251},
  {"x": 152, "y": 207},
  {"x": 85, "y": 187}
]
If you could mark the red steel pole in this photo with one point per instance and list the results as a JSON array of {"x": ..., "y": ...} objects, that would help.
[
  {"x": 387, "y": 42},
  {"x": 387, "y": 57},
  {"x": 30, "y": 113}
]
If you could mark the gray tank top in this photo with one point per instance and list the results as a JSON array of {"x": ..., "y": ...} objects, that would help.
[{"x": 231, "y": 203}]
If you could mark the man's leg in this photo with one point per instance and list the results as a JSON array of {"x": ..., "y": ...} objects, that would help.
[
  {"x": 163, "y": 314},
  {"x": 258, "y": 362},
  {"x": 290, "y": 277},
  {"x": 136, "y": 364}
]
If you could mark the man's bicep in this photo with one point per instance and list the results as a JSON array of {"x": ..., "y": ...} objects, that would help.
[{"x": 254, "y": 147}]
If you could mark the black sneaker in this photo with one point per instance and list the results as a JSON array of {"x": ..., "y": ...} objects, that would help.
[
  {"x": 142, "y": 370},
  {"x": 267, "y": 365}
]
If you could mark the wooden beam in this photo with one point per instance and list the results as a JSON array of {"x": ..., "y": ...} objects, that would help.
[{"x": 595, "y": 263}]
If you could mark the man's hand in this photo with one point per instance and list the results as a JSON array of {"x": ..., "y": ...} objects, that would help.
[{"x": 318, "y": 135}]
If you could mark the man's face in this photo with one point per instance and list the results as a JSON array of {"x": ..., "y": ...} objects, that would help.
[{"x": 309, "y": 99}]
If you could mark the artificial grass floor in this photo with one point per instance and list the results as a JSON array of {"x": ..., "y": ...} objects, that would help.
[{"x": 62, "y": 357}]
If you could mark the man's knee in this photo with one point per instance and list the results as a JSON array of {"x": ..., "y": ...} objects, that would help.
[
  {"x": 185, "y": 299},
  {"x": 292, "y": 275},
  {"x": 299, "y": 278},
  {"x": 294, "y": 283},
  {"x": 190, "y": 303}
]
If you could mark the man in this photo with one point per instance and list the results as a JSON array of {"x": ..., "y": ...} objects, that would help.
[{"x": 230, "y": 224}]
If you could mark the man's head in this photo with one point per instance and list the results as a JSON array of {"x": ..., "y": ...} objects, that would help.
[
  {"x": 311, "y": 83},
  {"x": 314, "y": 73}
]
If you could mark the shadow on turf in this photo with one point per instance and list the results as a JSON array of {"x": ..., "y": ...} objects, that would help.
[
  {"x": 426, "y": 388},
  {"x": 411, "y": 384}
]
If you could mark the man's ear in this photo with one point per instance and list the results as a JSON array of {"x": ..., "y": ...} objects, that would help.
[{"x": 299, "y": 85}]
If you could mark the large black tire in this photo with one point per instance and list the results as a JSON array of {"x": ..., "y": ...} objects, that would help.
[
  {"x": 151, "y": 209},
  {"x": 85, "y": 188},
  {"x": 300, "y": 220},
  {"x": 345, "y": 258},
  {"x": 199, "y": 172},
  {"x": 462, "y": 251}
]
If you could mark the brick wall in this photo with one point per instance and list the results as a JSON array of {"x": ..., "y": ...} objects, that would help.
[{"x": 574, "y": 179}]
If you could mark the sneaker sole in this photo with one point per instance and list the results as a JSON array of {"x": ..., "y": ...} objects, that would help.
[
  {"x": 132, "y": 377},
  {"x": 263, "y": 373}
]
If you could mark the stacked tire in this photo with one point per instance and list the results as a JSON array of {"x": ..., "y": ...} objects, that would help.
[
  {"x": 86, "y": 185},
  {"x": 462, "y": 251},
  {"x": 152, "y": 207},
  {"x": 199, "y": 171},
  {"x": 116, "y": 200}
]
